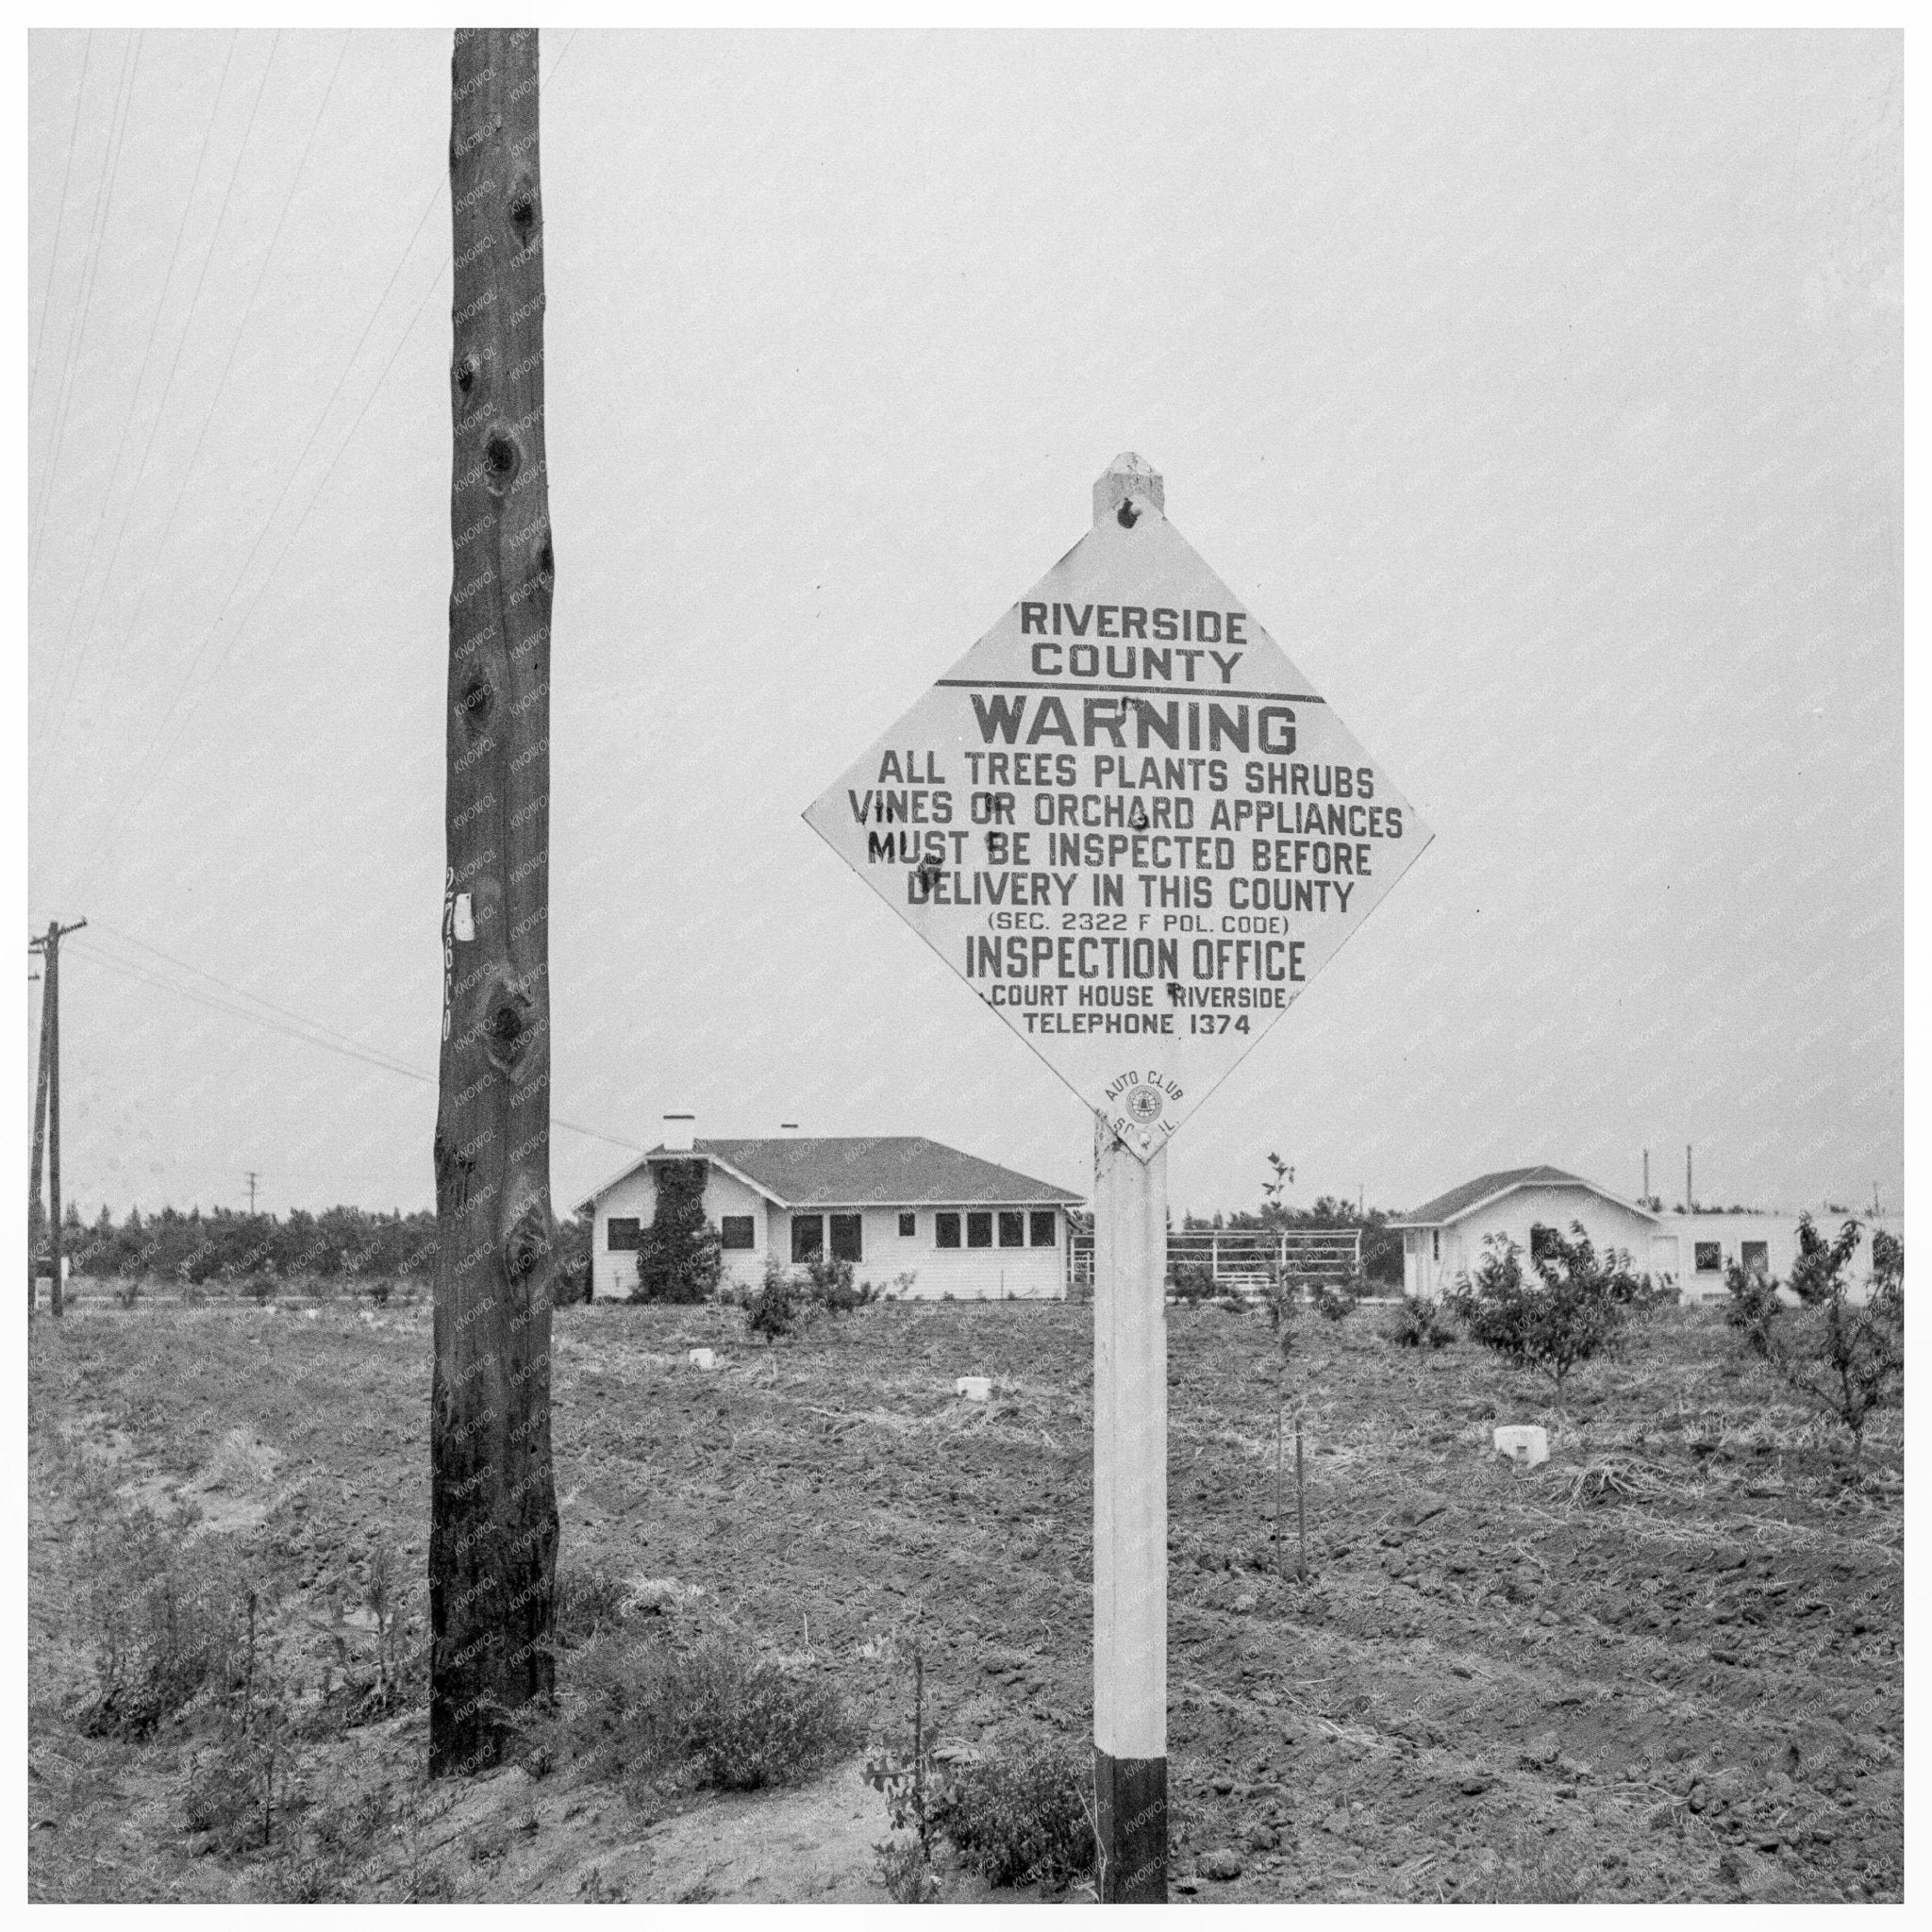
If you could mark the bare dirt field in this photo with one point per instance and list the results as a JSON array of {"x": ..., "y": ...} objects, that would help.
[{"x": 1665, "y": 1665}]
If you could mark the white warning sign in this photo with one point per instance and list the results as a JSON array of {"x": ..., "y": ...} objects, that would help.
[{"x": 1127, "y": 821}]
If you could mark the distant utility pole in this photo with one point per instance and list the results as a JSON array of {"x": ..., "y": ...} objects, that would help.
[
  {"x": 47, "y": 1111},
  {"x": 251, "y": 1194},
  {"x": 1646, "y": 1177},
  {"x": 1689, "y": 1199},
  {"x": 493, "y": 1536}
]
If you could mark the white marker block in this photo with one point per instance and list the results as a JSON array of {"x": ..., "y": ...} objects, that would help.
[
  {"x": 1525, "y": 1442},
  {"x": 701, "y": 1359},
  {"x": 973, "y": 1387}
]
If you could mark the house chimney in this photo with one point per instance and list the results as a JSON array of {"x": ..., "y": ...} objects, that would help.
[{"x": 679, "y": 1130}]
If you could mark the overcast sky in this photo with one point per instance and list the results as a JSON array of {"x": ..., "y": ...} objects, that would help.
[{"x": 1540, "y": 394}]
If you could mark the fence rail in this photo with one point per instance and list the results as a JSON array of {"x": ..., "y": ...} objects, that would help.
[{"x": 1239, "y": 1260}]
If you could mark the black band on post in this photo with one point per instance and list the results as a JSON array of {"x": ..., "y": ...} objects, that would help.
[{"x": 1131, "y": 1803}]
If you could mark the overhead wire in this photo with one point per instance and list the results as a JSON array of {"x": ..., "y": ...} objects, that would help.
[
  {"x": 181, "y": 343},
  {"x": 61, "y": 220},
  {"x": 51, "y": 722},
  {"x": 227, "y": 367},
  {"x": 130, "y": 792},
  {"x": 310, "y": 1032},
  {"x": 77, "y": 334}
]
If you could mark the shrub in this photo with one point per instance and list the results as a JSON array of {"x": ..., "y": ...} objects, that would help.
[
  {"x": 1335, "y": 1299},
  {"x": 1848, "y": 1360},
  {"x": 905, "y": 1872},
  {"x": 740, "y": 1719},
  {"x": 680, "y": 1257},
  {"x": 829, "y": 1286},
  {"x": 1023, "y": 1815},
  {"x": 773, "y": 1310},
  {"x": 1568, "y": 1311},
  {"x": 127, "y": 1292},
  {"x": 1415, "y": 1321},
  {"x": 1751, "y": 1304},
  {"x": 164, "y": 1616},
  {"x": 1193, "y": 1281}
]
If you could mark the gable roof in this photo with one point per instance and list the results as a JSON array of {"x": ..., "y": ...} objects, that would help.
[
  {"x": 1489, "y": 1186},
  {"x": 869, "y": 1170}
]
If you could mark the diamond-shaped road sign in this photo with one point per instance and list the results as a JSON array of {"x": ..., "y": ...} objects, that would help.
[{"x": 1125, "y": 819}]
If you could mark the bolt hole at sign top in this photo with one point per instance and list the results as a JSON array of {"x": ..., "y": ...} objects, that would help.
[{"x": 1128, "y": 515}]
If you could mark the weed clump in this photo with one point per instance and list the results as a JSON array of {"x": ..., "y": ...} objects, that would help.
[
  {"x": 742, "y": 1719},
  {"x": 1335, "y": 1299},
  {"x": 588, "y": 1600},
  {"x": 1415, "y": 1321},
  {"x": 1023, "y": 1815},
  {"x": 165, "y": 1617},
  {"x": 717, "y": 1712},
  {"x": 774, "y": 1309}
]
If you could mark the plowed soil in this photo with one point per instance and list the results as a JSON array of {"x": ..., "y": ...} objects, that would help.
[{"x": 1666, "y": 1664}]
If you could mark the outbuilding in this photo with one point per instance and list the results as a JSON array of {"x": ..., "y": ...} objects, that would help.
[
  {"x": 1444, "y": 1239},
  {"x": 893, "y": 1205}
]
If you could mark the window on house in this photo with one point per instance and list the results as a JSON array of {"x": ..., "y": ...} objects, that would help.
[
  {"x": 1435, "y": 1244},
  {"x": 1012, "y": 1228},
  {"x": 1709, "y": 1257},
  {"x": 848, "y": 1239},
  {"x": 807, "y": 1237},
  {"x": 1755, "y": 1257},
  {"x": 621, "y": 1234},
  {"x": 1043, "y": 1219},
  {"x": 735, "y": 1231},
  {"x": 909, "y": 1224},
  {"x": 1541, "y": 1241},
  {"x": 980, "y": 1230},
  {"x": 945, "y": 1230}
]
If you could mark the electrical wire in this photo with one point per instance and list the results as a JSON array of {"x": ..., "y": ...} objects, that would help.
[
  {"x": 181, "y": 343},
  {"x": 310, "y": 1032},
  {"x": 138, "y": 785},
  {"x": 76, "y": 335},
  {"x": 51, "y": 722},
  {"x": 60, "y": 220}
]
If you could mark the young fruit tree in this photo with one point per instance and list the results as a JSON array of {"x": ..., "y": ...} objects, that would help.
[
  {"x": 1569, "y": 1308},
  {"x": 1848, "y": 1359}
]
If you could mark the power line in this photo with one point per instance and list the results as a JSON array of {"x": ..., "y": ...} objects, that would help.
[
  {"x": 51, "y": 730},
  {"x": 76, "y": 335},
  {"x": 181, "y": 343},
  {"x": 311, "y": 1032},
  {"x": 145, "y": 773},
  {"x": 60, "y": 220},
  {"x": 227, "y": 367},
  {"x": 105, "y": 844}
]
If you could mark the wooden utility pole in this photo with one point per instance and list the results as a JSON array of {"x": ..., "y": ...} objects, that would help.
[
  {"x": 492, "y": 1538},
  {"x": 49, "y": 1099},
  {"x": 1130, "y": 1517},
  {"x": 33, "y": 1179}
]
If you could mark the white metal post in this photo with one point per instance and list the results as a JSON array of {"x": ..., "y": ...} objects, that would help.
[{"x": 1130, "y": 1517}]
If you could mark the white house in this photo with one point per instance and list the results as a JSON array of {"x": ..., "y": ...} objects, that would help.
[
  {"x": 1444, "y": 1239},
  {"x": 889, "y": 1205}
]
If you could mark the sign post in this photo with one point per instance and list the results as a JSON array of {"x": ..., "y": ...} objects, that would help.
[
  {"x": 1129, "y": 1519},
  {"x": 1128, "y": 823}
]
